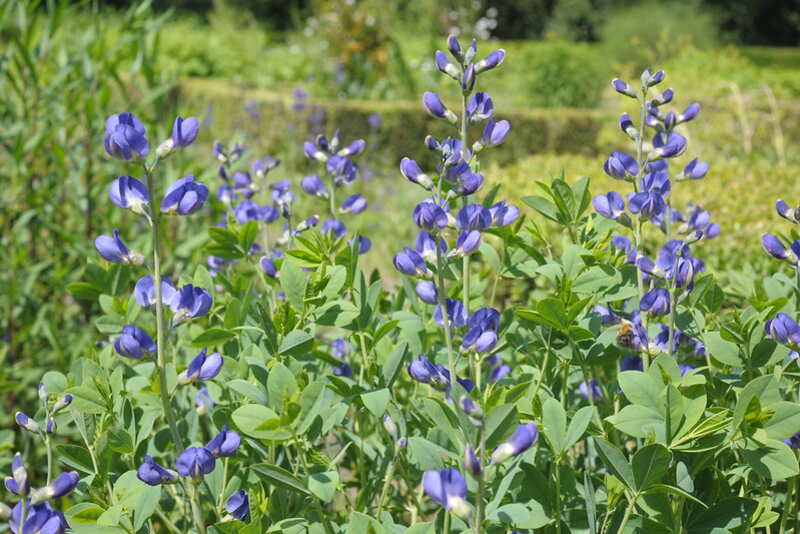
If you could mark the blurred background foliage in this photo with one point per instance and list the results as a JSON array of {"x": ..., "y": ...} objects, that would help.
[{"x": 272, "y": 73}]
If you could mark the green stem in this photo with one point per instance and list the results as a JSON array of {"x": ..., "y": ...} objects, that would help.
[
  {"x": 365, "y": 357},
  {"x": 197, "y": 515},
  {"x": 49, "y": 446},
  {"x": 446, "y": 529},
  {"x": 224, "y": 484},
  {"x": 161, "y": 338},
  {"x": 788, "y": 503},
  {"x": 443, "y": 305},
  {"x": 167, "y": 523},
  {"x": 557, "y": 476},
  {"x": 387, "y": 481},
  {"x": 479, "y": 504},
  {"x": 627, "y": 516}
]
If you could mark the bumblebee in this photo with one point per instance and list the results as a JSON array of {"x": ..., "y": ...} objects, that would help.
[{"x": 625, "y": 335}]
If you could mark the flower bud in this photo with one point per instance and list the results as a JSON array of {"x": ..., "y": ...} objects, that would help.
[
  {"x": 455, "y": 47},
  {"x": 50, "y": 426},
  {"x": 390, "y": 426},
  {"x": 26, "y": 422},
  {"x": 471, "y": 462},
  {"x": 444, "y": 65},
  {"x": 623, "y": 88},
  {"x": 520, "y": 441},
  {"x": 494, "y": 59},
  {"x": 62, "y": 485}
]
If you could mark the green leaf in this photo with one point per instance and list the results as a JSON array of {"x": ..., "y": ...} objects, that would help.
[
  {"x": 323, "y": 485},
  {"x": 281, "y": 385},
  {"x": 722, "y": 350},
  {"x": 650, "y": 464},
  {"x": 499, "y": 423},
  {"x": 773, "y": 459},
  {"x": 531, "y": 515},
  {"x": 376, "y": 401},
  {"x": 554, "y": 425},
  {"x": 615, "y": 461},
  {"x": 213, "y": 337},
  {"x": 253, "y": 392},
  {"x": 76, "y": 457},
  {"x": 578, "y": 425},
  {"x": 260, "y": 422},
  {"x": 725, "y": 516},
  {"x": 277, "y": 476},
  {"x": 293, "y": 281},
  {"x": 297, "y": 343},
  {"x": 785, "y": 420}
]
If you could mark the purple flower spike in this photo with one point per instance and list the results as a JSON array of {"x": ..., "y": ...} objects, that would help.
[
  {"x": 127, "y": 138},
  {"x": 195, "y": 462},
  {"x": 238, "y": 505},
  {"x": 471, "y": 462},
  {"x": 621, "y": 166},
  {"x": 520, "y": 441},
  {"x": 495, "y": 132},
  {"x": 224, "y": 444},
  {"x": 189, "y": 302},
  {"x": 695, "y": 169},
  {"x": 202, "y": 367},
  {"x": 62, "y": 485},
  {"x": 494, "y": 59},
  {"x": 153, "y": 474},
  {"x": 427, "y": 292},
  {"x": 184, "y": 131},
  {"x": 129, "y": 193},
  {"x": 354, "y": 204},
  {"x": 134, "y": 343},
  {"x": 145, "y": 291},
  {"x": 592, "y": 389},
  {"x": 609, "y": 205},
  {"x": 185, "y": 196},
  {"x": 448, "y": 489},
  {"x": 623, "y": 88},
  {"x": 656, "y": 301},
  {"x": 112, "y": 249},
  {"x": 411, "y": 263},
  {"x": 773, "y": 246}
]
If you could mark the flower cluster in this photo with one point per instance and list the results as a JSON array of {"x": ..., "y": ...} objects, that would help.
[
  {"x": 341, "y": 171},
  {"x": 669, "y": 278}
]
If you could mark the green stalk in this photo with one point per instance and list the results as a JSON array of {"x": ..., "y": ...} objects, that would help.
[
  {"x": 627, "y": 516},
  {"x": 197, "y": 515},
  {"x": 443, "y": 305},
  {"x": 787, "y": 504},
  {"x": 387, "y": 481},
  {"x": 557, "y": 476},
  {"x": 161, "y": 338},
  {"x": 479, "y": 504},
  {"x": 23, "y": 515}
]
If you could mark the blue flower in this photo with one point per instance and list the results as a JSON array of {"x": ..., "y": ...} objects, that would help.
[
  {"x": 335, "y": 228},
  {"x": 40, "y": 519},
  {"x": 456, "y": 313},
  {"x": 195, "y": 462},
  {"x": 153, "y": 474},
  {"x": 238, "y": 505},
  {"x": 354, "y": 204},
  {"x": 185, "y": 196},
  {"x": 479, "y": 107},
  {"x": 129, "y": 193},
  {"x": 112, "y": 249},
  {"x": 341, "y": 169},
  {"x": 467, "y": 243},
  {"x": 127, "y": 138},
  {"x": 429, "y": 215},
  {"x": 611, "y": 205},
  {"x": 18, "y": 483},
  {"x": 411, "y": 171},
  {"x": 471, "y": 462},
  {"x": 60, "y": 486},
  {"x": 425, "y": 371},
  {"x": 425, "y": 245},
  {"x": 134, "y": 343},
  {"x": 189, "y": 302},
  {"x": 668, "y": 145},
  {"x": 521, "y": 440},
  {"x": 592, "y": 389},
  {"x": 184, "y": 131},
  {"x": 503, "y": 215},
  {"x": 474, "y": 217},
  {"x": 263, "y": 165},
  {"x": 495, "y": 132},
  {"x": 784, "y": 329},
  {"x": 448, "y": 489},
  {"x": 436, "y": 107},
  {"x": 623, "y": 88},
  {"x": 202, "y": 367},
  {"x": 493, "y": 60},
  {"x": 621, "y": 166},
  {"x": 203, "y": 402},
  {"x": 656, "y": 302},
  {"x": 313, "y": 185},
  {"x": 427, "y": 292},
  {"x": 411, "y": 263},
  {"x": 225, "y": 443},
  {"x": 145, "y": 291}
]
